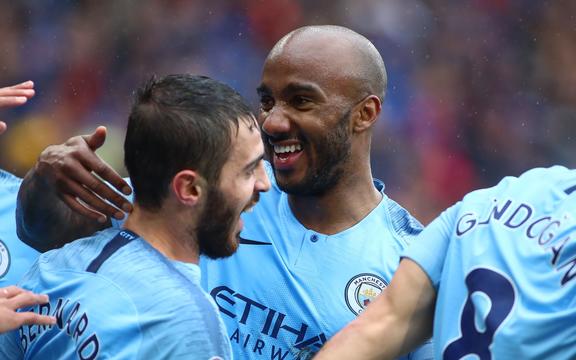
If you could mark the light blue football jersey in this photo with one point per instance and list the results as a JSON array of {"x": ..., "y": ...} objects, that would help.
[
  {"x": 116, "y": 297},
  {"x": 15, "y": 256},
  {"x": 288, "y": 289},
  {"x": 503, "y": 261}
]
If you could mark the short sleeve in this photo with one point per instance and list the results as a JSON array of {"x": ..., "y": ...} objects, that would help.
[{"x": 430, "y": 250}]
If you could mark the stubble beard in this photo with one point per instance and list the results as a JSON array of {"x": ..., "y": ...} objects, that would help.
[
  {"x": 216, "y": 226},
  {"x": 333, "y": 153}
]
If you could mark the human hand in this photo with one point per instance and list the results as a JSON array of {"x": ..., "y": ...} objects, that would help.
[
  {"x": 15, "y": 95},
  {"x": 13, "y": 298},
  {"x": 71, "y": 168}
]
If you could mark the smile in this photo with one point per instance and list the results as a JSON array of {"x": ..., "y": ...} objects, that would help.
[{"x": 283, "y": 149}]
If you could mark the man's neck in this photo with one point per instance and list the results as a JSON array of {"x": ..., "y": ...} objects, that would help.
[
  {"x": 165, "y": 233},
  {"x": 340, "y": 208}
]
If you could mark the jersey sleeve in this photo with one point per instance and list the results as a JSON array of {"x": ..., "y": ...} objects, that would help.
[
  {"x": 423, "y": 352},
  {"x": 430, "y": 250}
]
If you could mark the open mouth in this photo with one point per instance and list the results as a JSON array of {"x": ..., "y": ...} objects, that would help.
[{"x": 286, "y": 154}]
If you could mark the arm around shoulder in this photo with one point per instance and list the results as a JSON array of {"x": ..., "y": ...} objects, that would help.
[
  {"x": 44, "y": 221},
  {"x": 65, "y": 197}
]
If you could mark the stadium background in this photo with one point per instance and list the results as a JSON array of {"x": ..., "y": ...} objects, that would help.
[{"x": 478, "y": 89}]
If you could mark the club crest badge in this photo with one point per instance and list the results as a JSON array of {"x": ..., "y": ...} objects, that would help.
[
  {"x": 4, "y": 259},
  {"x": 361, "y": 290}
]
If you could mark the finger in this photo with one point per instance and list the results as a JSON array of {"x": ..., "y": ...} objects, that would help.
[
  {"x": 75, "y": 204},
  {"x": 24, "y": 85},
  {"x": 96, "y": 139},
  {"x": 99, "y": 187},
  {"x": 27, "y": 93},
  {"x": 2, "y": 127},
  {"x": 29, "y": 318},
  {"x": 10, "y": 101},
  {"x": 75, "y": 191},
  {"x": 10, "y": 291},
  {"x": 76, "y": 171},
  {"x": 108, "y": 174},
  {"x": 79, "y": 191},
  {"x": 25, "y": 299}
]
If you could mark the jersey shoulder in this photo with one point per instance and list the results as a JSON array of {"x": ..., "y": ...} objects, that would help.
[
  {"x": 403, "y": 225},
  {"x": 8, "y": 179},
  {"x": 156, "y": 304},
  {"x": 531, "y": 185}
]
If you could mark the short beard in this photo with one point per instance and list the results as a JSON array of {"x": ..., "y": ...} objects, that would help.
[
  {"x": 214, "y": 231},
  {"x": 333, "y": 152}
]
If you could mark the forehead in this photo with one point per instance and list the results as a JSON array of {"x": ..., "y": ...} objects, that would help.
[
  {"x": 319, "y": 61},
  {"x": 246, "y": 144}
]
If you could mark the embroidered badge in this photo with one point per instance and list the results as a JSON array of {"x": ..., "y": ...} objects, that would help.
[{"x": 361, "y": 290}]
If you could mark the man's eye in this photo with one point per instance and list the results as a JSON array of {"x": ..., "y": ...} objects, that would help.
[
  {"x": 300, "y": 101},
  {"x": 266, "y": 103}
]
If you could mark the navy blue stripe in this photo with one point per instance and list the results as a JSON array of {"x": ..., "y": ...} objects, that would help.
[
  {"x": 570, "y": 190},
  {"x": 121, "y": 239},
  {"x": 253, "y": 242}
]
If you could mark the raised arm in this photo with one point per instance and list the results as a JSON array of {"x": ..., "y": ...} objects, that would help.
[
  {"x": 61, "y": 198},
  {"x": 394, "y": 324}
]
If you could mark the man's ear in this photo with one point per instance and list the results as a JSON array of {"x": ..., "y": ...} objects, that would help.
[
  {"x": 188, "y": 187},
  {"x": 367, "y": 113}
]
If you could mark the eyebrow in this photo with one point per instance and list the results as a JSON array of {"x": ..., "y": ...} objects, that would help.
[
  {"x": 290, "y": 89},
  {"x": 254, "y": 163},
  {"x": 294, "y": 88}
]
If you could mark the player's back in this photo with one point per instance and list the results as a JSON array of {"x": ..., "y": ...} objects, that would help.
[
  {"x": 509, "y": 278},
  {"x": 114, "y": 296}
]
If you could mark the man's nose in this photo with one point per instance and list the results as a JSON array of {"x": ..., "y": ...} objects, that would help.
[{"x": 275, "y": 121}]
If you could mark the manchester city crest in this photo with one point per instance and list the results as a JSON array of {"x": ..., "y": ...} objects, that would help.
[
  {"x": 4, "y": 259},
  {"x": 361, "y": 290}
]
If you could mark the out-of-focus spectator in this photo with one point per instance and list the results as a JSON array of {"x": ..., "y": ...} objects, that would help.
[{"x": 477, "y": 89}]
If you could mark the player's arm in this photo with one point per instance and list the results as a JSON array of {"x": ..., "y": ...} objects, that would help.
[
  {"x": 65, "y": 197},
  {"x": 396, "y": 322}
]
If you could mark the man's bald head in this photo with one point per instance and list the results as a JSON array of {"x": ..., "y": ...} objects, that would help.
[{"x": 342, "y": 51}]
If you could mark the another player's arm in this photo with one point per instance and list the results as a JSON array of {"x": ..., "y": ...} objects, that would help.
[
  {"x": 395, "y": 323},
  {"x": 62, "y": 199}
]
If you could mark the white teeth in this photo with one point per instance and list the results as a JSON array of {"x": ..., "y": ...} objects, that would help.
[{"x": 287, "y": 149}]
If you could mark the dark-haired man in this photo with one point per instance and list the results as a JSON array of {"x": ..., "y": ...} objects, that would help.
[
  {"x": 194, "y": 154},
  {"x": 324, "y": 241}
]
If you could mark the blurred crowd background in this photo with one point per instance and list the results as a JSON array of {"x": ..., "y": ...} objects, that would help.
[{"x": 478, "y": 89}]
